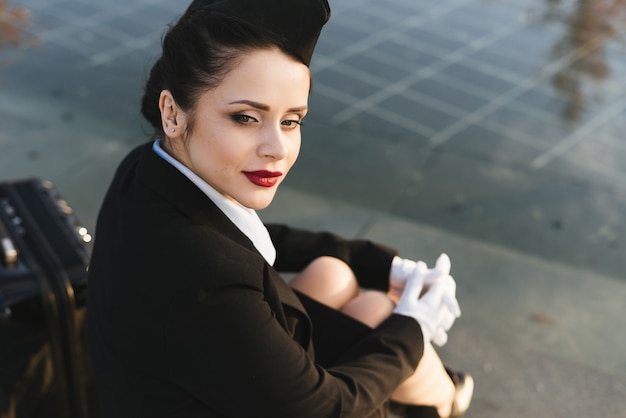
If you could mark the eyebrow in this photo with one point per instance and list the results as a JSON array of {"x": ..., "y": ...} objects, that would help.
[{"x": 265, "y": 107}]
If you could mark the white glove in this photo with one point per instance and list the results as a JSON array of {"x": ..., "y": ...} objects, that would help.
[
  {"x": 402, "y": 269},
  {"x": 436, "y": 310}
]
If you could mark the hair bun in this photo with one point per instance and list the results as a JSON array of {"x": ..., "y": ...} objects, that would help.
[{"x": 297, "y": 22}]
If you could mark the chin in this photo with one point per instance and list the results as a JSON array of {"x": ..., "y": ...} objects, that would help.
[
  {"x": 261, "y": 207},
  {"x": 258, "y": 202}
]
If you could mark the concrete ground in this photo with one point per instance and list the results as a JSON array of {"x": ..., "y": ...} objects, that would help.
[{"x": 487, "y": 129}]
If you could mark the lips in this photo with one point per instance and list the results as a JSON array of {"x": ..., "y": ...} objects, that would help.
[{"x": 263, "y": 178}]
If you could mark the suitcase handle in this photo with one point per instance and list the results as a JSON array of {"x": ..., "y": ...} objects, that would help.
[{"x": 9, "y": 253}]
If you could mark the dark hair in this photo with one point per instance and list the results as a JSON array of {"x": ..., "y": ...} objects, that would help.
[{"x": 198, "y": 52}]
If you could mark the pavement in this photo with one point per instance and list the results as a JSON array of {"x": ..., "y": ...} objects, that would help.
[{"x": 491, "y": 130}]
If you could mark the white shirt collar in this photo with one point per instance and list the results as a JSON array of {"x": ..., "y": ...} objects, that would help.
[{"x": 244, "y": 218}]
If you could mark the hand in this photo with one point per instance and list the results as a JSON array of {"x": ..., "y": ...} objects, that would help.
[
  {"x": 402, "y": 269},
  {"x": 436, "y": 310},
  {"x": 443, "y": 265}
]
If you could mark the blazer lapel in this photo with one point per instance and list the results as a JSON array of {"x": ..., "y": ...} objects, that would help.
[
  {"x": 165, "y": 180},
  {"x": 292, "y": 314}
]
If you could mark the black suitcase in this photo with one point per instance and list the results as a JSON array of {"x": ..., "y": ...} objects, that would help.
[{"x": 44, "y": 254}]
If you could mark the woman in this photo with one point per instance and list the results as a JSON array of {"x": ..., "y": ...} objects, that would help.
[{"x": 188, "y": 316}]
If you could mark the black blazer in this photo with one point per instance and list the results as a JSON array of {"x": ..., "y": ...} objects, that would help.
[{"x": 186, "y": 318}]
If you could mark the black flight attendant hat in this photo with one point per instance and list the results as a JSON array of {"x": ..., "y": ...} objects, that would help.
[{"x": 298, "y": 22}]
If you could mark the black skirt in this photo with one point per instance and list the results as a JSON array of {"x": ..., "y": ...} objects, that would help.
[{"x": 333, "y": 331}]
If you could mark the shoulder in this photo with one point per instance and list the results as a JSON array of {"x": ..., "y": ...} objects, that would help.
[{"x": 207, "y": 256}]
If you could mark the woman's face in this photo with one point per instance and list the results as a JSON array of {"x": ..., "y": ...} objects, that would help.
[{"x": 246, "y": 132}]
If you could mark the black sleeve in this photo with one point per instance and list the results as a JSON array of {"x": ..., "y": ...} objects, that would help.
[
  {"x": 296, "y": 248},
  {"x": 226, "y": 348}
]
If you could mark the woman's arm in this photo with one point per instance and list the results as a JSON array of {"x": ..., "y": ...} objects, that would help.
[
  {"x": 296, "y": 248},
  {"x": 232, "y": 354}
]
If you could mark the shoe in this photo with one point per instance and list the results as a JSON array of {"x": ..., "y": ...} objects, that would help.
[{"x": 464, "y": 384}]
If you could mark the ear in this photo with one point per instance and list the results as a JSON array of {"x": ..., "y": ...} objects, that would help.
[{"x": 173, "y": 118}]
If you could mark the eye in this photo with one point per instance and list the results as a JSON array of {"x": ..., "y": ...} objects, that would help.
[
  {"x": 291, "y": 123},
  {"x": 243, "y": 119}
]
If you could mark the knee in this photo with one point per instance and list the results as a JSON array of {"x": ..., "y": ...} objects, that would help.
[
  {"x": 327, "y": 280},
  {"x": 370, "y": 307},
  {"x": 326, "y": 265}
]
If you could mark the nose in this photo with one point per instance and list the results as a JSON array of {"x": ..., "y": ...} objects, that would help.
[{"x": 273, "y": 144}]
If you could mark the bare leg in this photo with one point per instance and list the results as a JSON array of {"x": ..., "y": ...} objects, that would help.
[
  {"x": 430, "y": 382},
  {"x": 370, "y": 307},
  {"x": 330, "y": 281}
]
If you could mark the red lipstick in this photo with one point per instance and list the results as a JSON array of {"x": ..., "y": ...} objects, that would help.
[{"x": 263, "y": 178}]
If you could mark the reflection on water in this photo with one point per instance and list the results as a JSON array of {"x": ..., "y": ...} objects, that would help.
[
  {"x": 590, "y": 25},
  {"x": 13, "y": 24}
]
